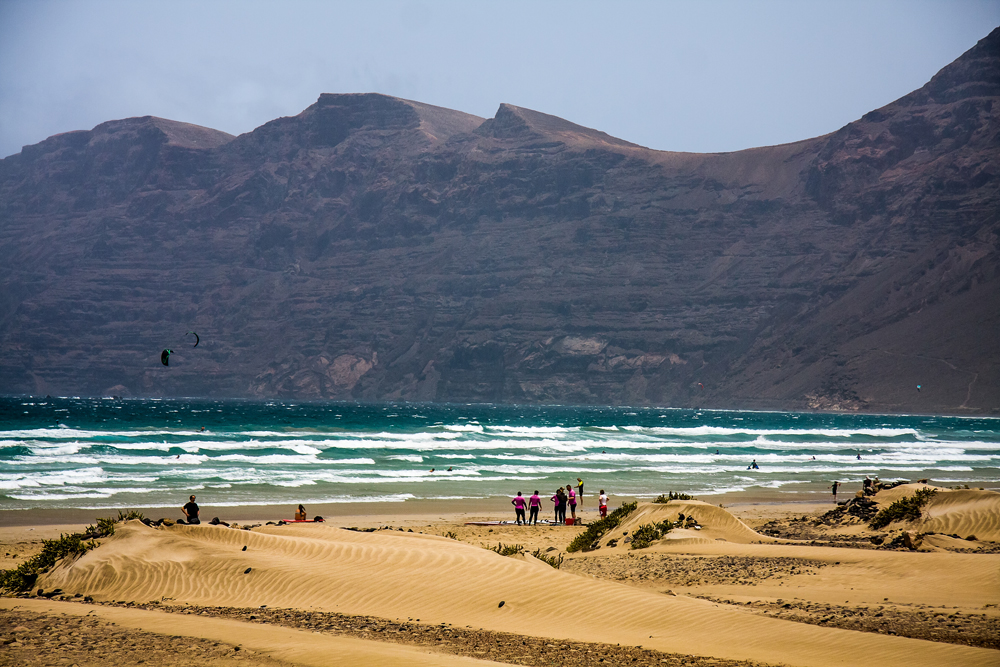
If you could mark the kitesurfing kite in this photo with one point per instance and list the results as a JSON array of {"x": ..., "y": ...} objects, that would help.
[
  {"x": 165, "y": 357},
  {"x": 196, "y": 338}
]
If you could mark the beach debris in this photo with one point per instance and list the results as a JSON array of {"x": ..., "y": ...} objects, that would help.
[
  {"x": 247, "y": 571},
  {"x": 244, "y": 548},
  {"x": 502, "y": 603}
]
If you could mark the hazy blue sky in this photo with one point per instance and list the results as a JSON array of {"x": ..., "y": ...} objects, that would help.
[{"x": 692, "y": 76}]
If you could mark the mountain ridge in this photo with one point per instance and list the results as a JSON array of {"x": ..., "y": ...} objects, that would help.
[{"x": 374, "y": 248}]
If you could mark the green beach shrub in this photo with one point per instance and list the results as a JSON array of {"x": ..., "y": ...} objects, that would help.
[
  {"x": 904, "y": 509},
  {"x": 649, "y": 533},
  {"x": 586, "y": 540},
  {"x": 508, "y": 549},
  {"x": 666, "y": 498},
  {"x": 23, "y": 577},
  {"x": 554, "y": 561}
]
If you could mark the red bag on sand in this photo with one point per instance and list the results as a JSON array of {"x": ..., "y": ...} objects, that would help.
[{"x": 569, "y": 521}]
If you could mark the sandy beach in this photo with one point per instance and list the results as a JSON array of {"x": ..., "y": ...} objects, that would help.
[{"x": 744, "y": 580}]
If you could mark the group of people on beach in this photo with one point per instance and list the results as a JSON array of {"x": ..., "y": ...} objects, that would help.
[
  {"x": 563, "y": 497},
  {"x": 191, "y": 511}
]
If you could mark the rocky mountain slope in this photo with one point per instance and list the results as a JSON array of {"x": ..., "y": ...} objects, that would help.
[{"x": 374, "y": 248}]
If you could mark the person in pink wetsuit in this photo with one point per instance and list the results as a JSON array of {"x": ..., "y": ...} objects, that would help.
[
  {"x": 519, "y": 502},
  {"x": 534, "y": 504},
  {"x": 572, "y": 502}
]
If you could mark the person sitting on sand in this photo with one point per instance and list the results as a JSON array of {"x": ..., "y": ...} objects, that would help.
[
  {"x": 534, "y": 504},
  {"x": 191, "y": 512},
  {"x": 300, "y": 514},
  {"x": 602, "y": 502},
  {"x": 518, "y": 502}
]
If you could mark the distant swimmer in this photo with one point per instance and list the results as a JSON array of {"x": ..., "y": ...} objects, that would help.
[
  {"x": 449, "y": 468},
  {"x": 753, "y": 465},
  {"x": 432, "y": 470},
  {"x": 859, "y": 456}
]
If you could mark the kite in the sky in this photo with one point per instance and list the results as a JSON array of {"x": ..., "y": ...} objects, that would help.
[
  {"x": 196, "y": 338},
  {"x": 165, "y": 357}
]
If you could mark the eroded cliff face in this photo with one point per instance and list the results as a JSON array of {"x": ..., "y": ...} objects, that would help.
[{"x": 373, "y": 248}]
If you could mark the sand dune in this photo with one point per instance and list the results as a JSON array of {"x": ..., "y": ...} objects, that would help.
[
  {"x": 716, "y": 524},
  {"x": 962, "y": 512},
  {"x": 294, "y": 646},
  {"x": 399, "y": 575}
]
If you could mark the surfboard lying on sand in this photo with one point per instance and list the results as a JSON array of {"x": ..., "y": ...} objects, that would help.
[
  {"x": 302, "y": 520},
  {"x": 545, "y": 522}
]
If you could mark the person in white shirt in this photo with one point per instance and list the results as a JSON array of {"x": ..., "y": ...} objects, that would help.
[{"x": 603, "y": 502}]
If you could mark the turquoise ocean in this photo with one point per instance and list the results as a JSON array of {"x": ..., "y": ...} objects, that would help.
[{"x": 135, "y": 453}]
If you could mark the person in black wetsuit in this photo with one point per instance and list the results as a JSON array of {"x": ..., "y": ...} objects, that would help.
[{"x": 191, "y": 512}]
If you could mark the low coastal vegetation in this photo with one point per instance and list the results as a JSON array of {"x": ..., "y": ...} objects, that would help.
[
  {"x": 667, "y": 497},
  {"x": 23, "y": 577},
  {"x": 508, "y": 549},
  {"x": 904, "y": 509},
  {"x": 555, "y": 561},
  {"x": 587, "y": 540},
  {"x": 648, "y": 533},
  {"x": 516, "y": 549}
]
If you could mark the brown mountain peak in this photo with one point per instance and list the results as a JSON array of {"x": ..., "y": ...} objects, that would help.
[{"x": 513, "y": 122}]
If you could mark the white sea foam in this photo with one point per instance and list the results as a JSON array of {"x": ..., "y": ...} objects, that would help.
[{"x": 411, "y": 458}]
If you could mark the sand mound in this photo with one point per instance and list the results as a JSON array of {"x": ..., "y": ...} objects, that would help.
[
  {"x": 405, "y": 575},
  {"x": 961, "y": 512},
  {"x": 716, "y": 524}
]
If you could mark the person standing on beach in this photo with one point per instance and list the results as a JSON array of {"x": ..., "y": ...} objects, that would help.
[
  {"x": 191, "y": 512},
  {"x": 579, "y": 491},
  {"x": 572, "y": 502},
  {"x": 836, "y": 485},
  {"x": 534, "y": 504},
  {"x": 519, "y": 503},
  {"x": 560, "y": 500},
  {"x": 602, "y": 500}
]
